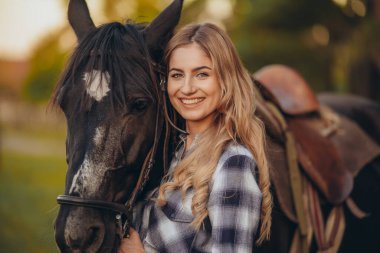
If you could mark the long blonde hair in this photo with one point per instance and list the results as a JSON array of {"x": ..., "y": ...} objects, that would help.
[{"x": 235, "y": 121}]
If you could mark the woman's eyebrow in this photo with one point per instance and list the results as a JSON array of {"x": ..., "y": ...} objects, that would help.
[
  {"x": 201, "y": 67},
  {"x": 193, "y": 70},
  {"x": 175, "y": 69}
]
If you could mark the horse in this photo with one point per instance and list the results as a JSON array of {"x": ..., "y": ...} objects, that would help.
[
  {"x": 120, "y": 137},
  {"x": 111, "y": 99}
]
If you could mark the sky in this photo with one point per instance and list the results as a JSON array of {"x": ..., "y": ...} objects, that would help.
[{"x": 24, "y": 22}]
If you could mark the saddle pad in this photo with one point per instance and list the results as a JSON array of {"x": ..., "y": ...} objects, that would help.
[
  {"x": 321, "y": 161},
  {"x": 279, "y": 175}
]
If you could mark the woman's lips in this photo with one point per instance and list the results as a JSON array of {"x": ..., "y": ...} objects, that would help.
[{"x": 191, "y": 101}]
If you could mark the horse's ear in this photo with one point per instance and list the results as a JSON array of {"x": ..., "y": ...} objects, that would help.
[
  {"x": 79, "y": 18},
  {"x": 160, "y": 30}
]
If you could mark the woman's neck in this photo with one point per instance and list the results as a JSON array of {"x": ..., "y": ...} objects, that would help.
[{"x": 194, "y": 130}]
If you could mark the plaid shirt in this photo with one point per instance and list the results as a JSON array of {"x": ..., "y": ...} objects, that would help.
[{"x": 233, "y": 207}]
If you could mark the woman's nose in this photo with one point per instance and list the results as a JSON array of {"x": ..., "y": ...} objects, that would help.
[{"x": 188, "y": 86}]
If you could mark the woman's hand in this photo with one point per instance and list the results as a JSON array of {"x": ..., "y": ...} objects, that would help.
[{"x": 132, "y": 244}]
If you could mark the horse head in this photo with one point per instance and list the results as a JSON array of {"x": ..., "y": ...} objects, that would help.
[{"x": 110, "y": 96}]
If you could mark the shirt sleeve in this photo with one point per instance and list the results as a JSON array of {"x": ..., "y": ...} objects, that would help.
[{"x": 234, "y": 205}]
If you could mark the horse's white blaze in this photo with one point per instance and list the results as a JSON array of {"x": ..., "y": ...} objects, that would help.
[
  {"x": 97, "y": 84},
  {"x": 75, "y": 178},
  {"x": 88, "y": 178},
  {"x": 99, "y": 134}
]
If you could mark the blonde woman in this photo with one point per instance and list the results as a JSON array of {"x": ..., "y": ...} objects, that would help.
[{"x": 217, "y": 191}]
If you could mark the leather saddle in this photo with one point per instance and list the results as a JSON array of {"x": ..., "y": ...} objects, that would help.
[
  {"x": 325, "y": 160},
  {"x": 287, "y": 89}
]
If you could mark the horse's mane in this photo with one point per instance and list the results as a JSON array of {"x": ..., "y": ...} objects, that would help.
[{"x": 116, "y": 48}]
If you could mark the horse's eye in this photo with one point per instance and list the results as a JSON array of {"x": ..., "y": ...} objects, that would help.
[{"x": 139, "y": 105}]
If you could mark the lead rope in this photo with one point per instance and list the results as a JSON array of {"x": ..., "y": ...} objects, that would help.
[{"x": 143, "y": 178}]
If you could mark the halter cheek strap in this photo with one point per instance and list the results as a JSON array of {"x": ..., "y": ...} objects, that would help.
[{"x": 163, "y": 84}]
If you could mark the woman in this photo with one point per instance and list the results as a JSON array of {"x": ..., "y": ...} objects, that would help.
[{"x": 217, "y": 191}]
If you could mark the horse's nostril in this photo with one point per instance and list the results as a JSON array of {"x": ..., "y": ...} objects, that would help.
[
  {"x": 75, "y": 244},
  {"x": 86, "y": 240}
]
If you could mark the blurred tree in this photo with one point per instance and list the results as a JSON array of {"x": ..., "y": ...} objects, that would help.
[
  {"x": 47, "y": 63},
  {"x": 333, "y": 43},
  {"x": 364, "y": 70},
  {"x": 302, "y": 34},
  {"x": 141, "y": 10}
]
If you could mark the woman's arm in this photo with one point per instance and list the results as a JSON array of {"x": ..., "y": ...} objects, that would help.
[{"x": 234, "y": 205}]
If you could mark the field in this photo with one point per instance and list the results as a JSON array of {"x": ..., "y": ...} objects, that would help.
[{"x": 32, "y": 174}]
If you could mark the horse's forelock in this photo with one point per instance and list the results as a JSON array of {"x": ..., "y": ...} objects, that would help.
[{"x": 120, "y": 52}]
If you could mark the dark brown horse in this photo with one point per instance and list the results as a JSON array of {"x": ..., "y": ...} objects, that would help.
[
  {"x": 113, "y": 104},
  {"x": 119, "y": 136}
]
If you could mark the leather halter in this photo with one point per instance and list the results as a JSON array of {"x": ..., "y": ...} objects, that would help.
[{"x": 124, "y": 212}]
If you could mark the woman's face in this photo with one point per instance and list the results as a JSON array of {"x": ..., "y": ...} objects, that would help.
[{"x": 193, "y": 86}]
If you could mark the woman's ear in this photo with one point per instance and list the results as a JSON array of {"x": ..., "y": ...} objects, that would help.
[
  {"x": 160, "y": 30},
  {"x": 79, "y": 18}
]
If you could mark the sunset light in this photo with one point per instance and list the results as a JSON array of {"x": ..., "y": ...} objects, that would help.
[{"x": 22, "y": 23}]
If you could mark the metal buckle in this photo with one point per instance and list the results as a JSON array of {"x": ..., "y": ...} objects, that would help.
[{"x": 162, "y": 83}]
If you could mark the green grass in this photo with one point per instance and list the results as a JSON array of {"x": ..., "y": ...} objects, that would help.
[
  {"x": 29, "y": 184},
  {"x": 41, "y": 133}
]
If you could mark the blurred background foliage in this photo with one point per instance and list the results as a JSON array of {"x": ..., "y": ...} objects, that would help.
[{"x": 333, "y": 43}]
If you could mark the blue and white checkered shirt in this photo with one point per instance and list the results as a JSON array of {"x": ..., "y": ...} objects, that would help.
[{"x": 233, "y": 207}]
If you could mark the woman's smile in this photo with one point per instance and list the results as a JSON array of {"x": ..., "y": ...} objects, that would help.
[{"x": 191, "y": 101}]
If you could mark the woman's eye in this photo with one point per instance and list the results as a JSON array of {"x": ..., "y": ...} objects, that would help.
[
  {"x": 176, "y": 75},
  {"x": 202, "y": 75}
]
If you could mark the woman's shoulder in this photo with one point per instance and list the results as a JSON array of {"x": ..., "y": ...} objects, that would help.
[
  {"x": 236, "y": 169},
  {"x": 236, "y": 150},
  {"x": 236, "y": 157}
]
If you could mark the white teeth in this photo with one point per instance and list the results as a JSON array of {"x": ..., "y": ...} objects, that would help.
[{"x": 191, "y": 101}]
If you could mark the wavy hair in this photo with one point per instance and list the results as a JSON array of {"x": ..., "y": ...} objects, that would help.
[{"x": 235, "y": 121}]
